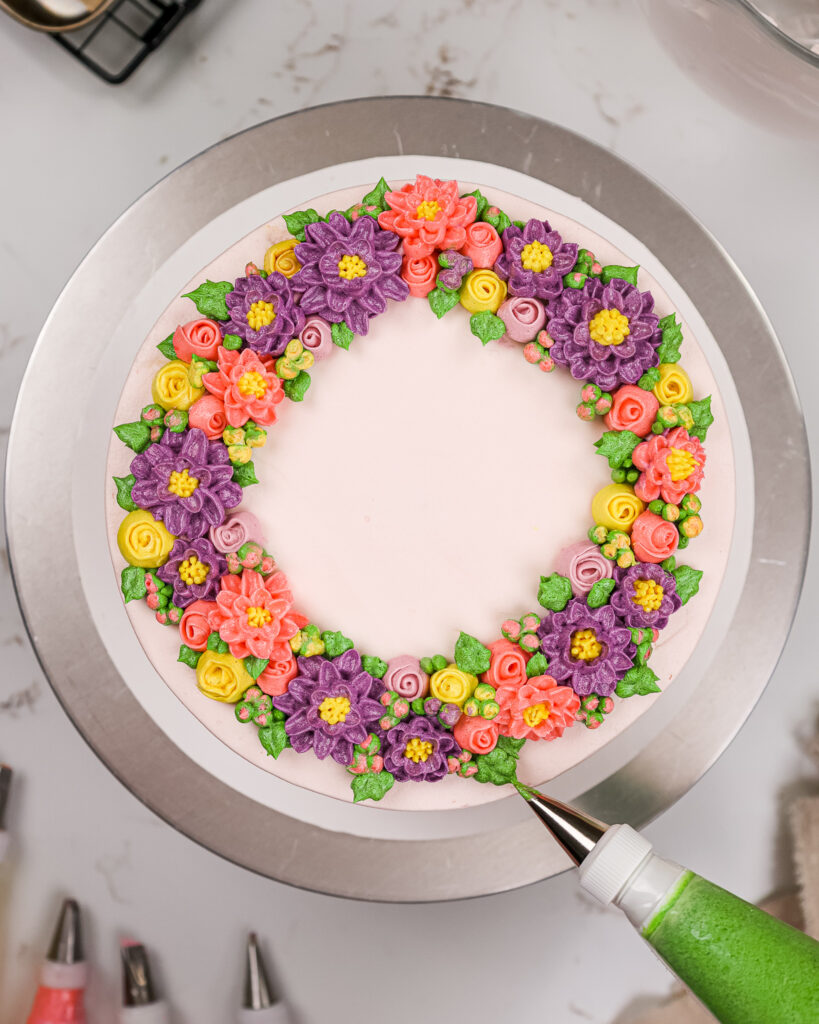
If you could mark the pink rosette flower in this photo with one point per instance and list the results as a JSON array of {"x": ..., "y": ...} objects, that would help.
[
  {"x": 197, "y": 337},
  {"x": 193, "y": 626},
  {"x": 584, "y": 565},
  {"x": 428, "y": 215},
  {"x": 405, "y": 677},
  {"x": 255, "y": 615},
  {"x": 507, "y": 665},
  {"x": 420, "y": 273},
  {"x": 248, "y": 386},
  {"x": 483, "y": 244},
  {"x": 672, "y": 464},
  {"x": 537, "y": 710},
  {"x": 524, "y": 318},
  {"x": 276, "y": 677},
  {"x": 653, "y": 539},
  {"x": 476, "y": 734},
  {"x": 237, "y": 529},
  {"x": 317, "y": 337},
  {"x": 632, "y": 409},
  {"x": 208, "y": 414}
]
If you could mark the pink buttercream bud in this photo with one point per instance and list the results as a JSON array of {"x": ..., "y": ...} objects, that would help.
[
  {"x": 547, "y": 365},
  {"x": 522, "y": 317},
  {"x": 376, "y": 763},
  {"x": 317, "y": 337},
  {"x": 161, "y": 618},
  {"x": 544, "y": 339},
  {"x": 238, "y": 529},
  {"x": 359, "y": 765},
  {"x": 152, "y": 600},
  {"x": 511, "y": 629}
]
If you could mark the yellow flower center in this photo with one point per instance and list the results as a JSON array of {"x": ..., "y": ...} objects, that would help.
[
  {"x": 351, "y": 266},
  {"x": 681, "y": 463},
  {"x": 258, "y": 617},
  {"x": 537, "y": 713},
  {"x": 427, "y": 211},
  {"x": 261, "y": 314},
  {"x": 181, "y": 484},
  {"x": 536, "y": 256},
  {"x": 334, "y": 709},
  {"x": 252, "y": 383},
  {"x": 418, "y": 750},
  {"x": 585, "y": 645},
  {"x": 648, "y": 594},
  {"x": 609, "y": 327},
  {"x": 193, "y": 571}
]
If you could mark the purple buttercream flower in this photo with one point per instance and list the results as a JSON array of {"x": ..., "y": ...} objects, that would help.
[
  {"x": 416, "y": 750},
  {"x": 596, "y": 308},
  {"x": 186, "y": 481},
  {"x": 264, "y": 313},
  {"x": 195, "y": 569},
  {"x": 454, "y": 269},
  {"x": 645, "y": 597},
  {"x": 331, "y": 706},
  {"x": 349, "y": 270},
  {"x": 525, "y": 254},
  {"x": 588, "y": 648}
]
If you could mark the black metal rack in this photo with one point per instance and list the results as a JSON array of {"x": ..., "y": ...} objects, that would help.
[{"x": 115, "y": 44}]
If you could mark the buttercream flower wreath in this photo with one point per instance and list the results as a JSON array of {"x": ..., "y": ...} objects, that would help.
[{"x": 199, "y": 560}]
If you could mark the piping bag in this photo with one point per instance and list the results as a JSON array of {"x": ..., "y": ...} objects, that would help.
[{"x": 745, "y": 966}]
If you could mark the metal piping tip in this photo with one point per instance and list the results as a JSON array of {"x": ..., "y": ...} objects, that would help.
[
  {"x": 577, "y": 833},
  {"x": 137, "y": 985},
  {"x": 257, "y": 988},
  {"x": 66, "y": 944},
  {"x": 5, "y": 784}
]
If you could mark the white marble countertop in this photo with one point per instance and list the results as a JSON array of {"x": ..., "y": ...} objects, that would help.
[{"x": 76, "y": 152}]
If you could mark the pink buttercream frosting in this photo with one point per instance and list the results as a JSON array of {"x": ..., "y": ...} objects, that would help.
[
  {"x": 583, "y": 564},
  {"x": 420, "y": 272},
  {"x": 208, "y": 415},
  {"x": 476, "y": 734},
  {"x": 197, "y": 337},
  {"x": 537, "y": 710},
  {"x": 653, "y": 539},
  {"x": 405, "y": 676},
  {"x": 237, "y": 529},
  {"x": 507, "y": 665},
  {"x": 422, "y": 234},
  {"x": 276, "y": 677},
  {"x": 652, "y": 457},
  {"x": 193, "y": 626},
  {"x": 246, "y": 596},
  {"x": 233, "y": 382},
  {"x": 317, "y": 337},
  {"x": 524, "y": 318},
  {"x": 483, "y": 244},
  {"x": 632, "y": 408}
]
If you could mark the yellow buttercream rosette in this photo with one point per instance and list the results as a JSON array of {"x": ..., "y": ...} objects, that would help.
[
  {"x": 172, "y": 388},
  {"x": 674, "y": 385},
  {"x": 616, "y": 506},
  {"x": 482, "y": 290},
  {"x": 451, "y": 685},
  {"x": 222, "y": 677},
  {"x": 143, "y": 541},
  {"x": 282, "y": 259}
]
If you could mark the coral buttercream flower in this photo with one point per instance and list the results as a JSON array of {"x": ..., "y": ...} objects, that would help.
[
  {"x": 194, "y": 569},
  {"x": 616, "y": 507},
  {"x": 237, "y": 529},
  {"x": 208, "y": 415},
  {"x": 420, "y": 273},
  {"x": 588, "y": 648},
  {"x": 349, "y": 270},
  {"x": 476, "y": 734},
  {"x": 255, "y": 615},
  {"x": 416, "y": 750},
  {"x": 645, "y": 596},
  {"x": 172, "y": 388},
  {"x": 483, "y": 244},
  {"x": 222, "y": 677},
  {"x": 281, "y": 258},
  {"x": 482, "y": 290},
  {"x": 248, "y": 387},
  {"x": 264, "y": 313},
  {"x": 507, "y": 665},
  {"x": 672, "y": 464},
  {"x": 523, "y": 318},
  {"x": 535, "y": 260},
  {"x": 143, "y": 541},
  {"x": 193, "y": 626},
  {"x": 405, "y": 677},
  {"x": 538, "y": 710},
  {"x": 674, "y": 386},
  {"x": 452, "y": 686},
  {"x": 197, "y": 338},
  {"x": 428, "y": 214},
  {"x": 653, "y": 539},
  {"x": 583, "y": 565},
  {"x": 632, "y": 408},
  {"x": 317, "y": 337},
  {"x": 277, "y": 675}
]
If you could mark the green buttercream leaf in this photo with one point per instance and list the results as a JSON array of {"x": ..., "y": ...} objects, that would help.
[
  {"x": 643, "y": 651},
  {"x": 510, "y": 745},
  {"x": 255, "y": 666},
  {"x": 613, "y": 271},
  {"x": 669, "y": 350},
  {"x": 471, "y": 656},
  {"x": 442, "y": 299},
  {"x": 133, "y": 583},
  {"x": 482, "y": 202},
  {"x": 617, "y": 446},
  {"x": 649, "y": 379},
  {"x": 274, "y": 738},
  {"x": 555, "y": 592},
  {"x": 136, "y": 435},
  {"x": 342, "y": 335},
  {"x": 638, "y": 681},
  {"x": 336, "y": 644},
  {"x": 166, "y": 348},
  {"x": 487, "y": 326},
  {"x": 600, "y": 593},
  {"x": 296, "y": 388},
  {"x": 188, "y": 656},
  {"x": 499, "y": 766},
  {"x": 371, "y": 785},
  {"x": 537, "y": 665},
  {"x": 296, "y": 222},
  {"x": 124, "y": 499},
  {"x": 245, "y": 475},
  {"x": 232, "y": 342},
  {"x": 703, "y": 417},
  {"x": 375, "y": 666},
  {"x": 209, "y": 299},
  {"x": 216, "y": 643},
  {"x": 688, "y": 581},
  {"x": 376, "y": 196},
  {"x": 499, "y": 221}
]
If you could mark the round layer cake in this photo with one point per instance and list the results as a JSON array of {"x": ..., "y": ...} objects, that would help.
[{"x": 408, "y": 494}]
